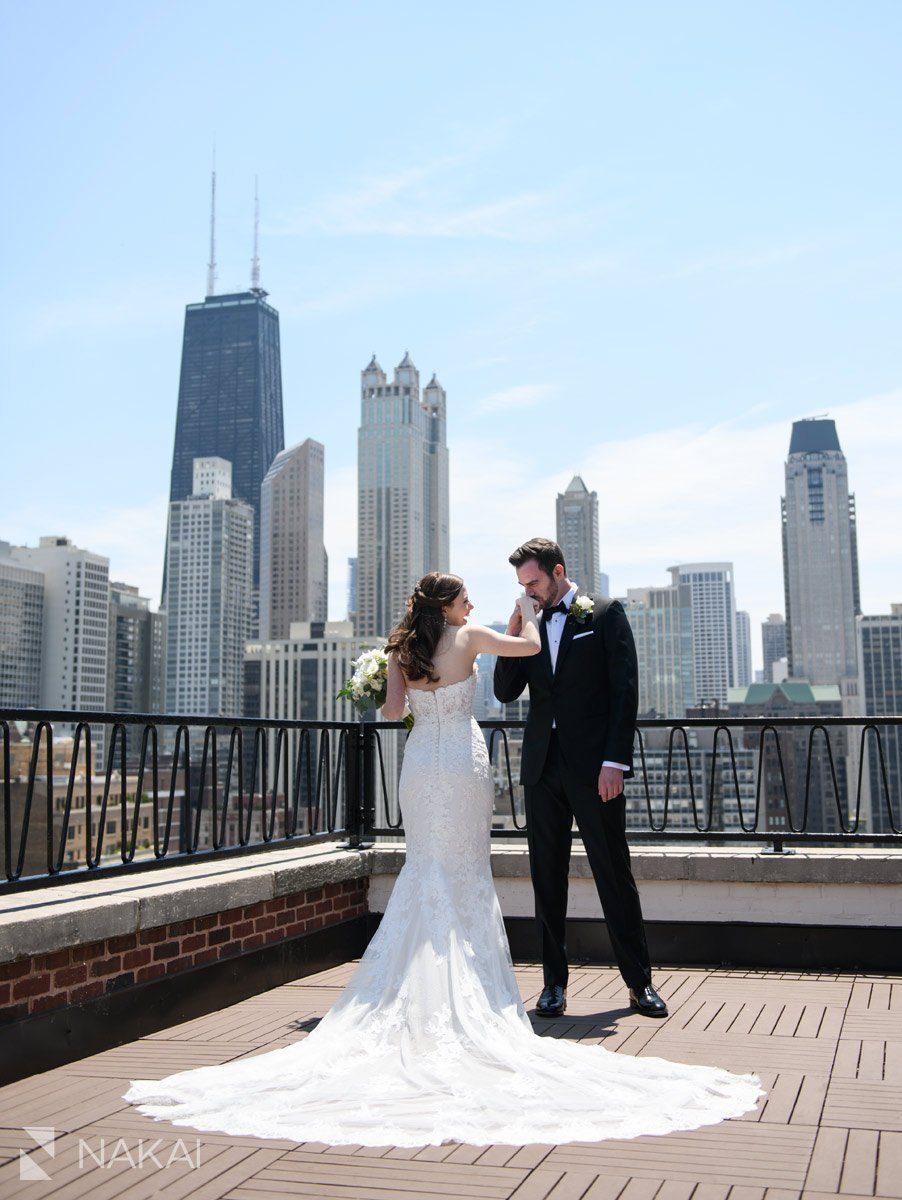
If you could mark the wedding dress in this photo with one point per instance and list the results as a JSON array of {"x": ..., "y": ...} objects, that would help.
[{"x": 430, "y": 1041}]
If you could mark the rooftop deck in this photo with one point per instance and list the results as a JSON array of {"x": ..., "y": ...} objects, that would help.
[{"x": 828, "y": 1048}]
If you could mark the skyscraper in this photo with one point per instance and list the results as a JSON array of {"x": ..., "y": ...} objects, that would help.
[
  {"x": 743, "y": 649},
  {"x": 136, "y": 653},
  {"x": 820, "y": 556},
  {"x": 209, "y": 569},
  {"x": 577, "y": 535},
  {"x": 402, "y": 527},
  {"x": 880, "y": 694},
  {"x": 713, "y": 627},
  {"x": 230, "y": 390},
  {"x": 293, "y": 562},
  {"x": 21, "y": 631},
  {"x": 773, "y": 643},
  {"x": 661, "y": 620},
  {"x": 75, "y": 622}
]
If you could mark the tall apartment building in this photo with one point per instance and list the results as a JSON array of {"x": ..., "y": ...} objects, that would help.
[
  {"x": 209, "y": 577},
  {"x": 880, "y": 695},
  {"x": 402, "y": 491},
  {"x": 713, "y": 627},
  {"x": 743, "y": 649},
  {"x": 75, "y": 625},
  {"x": 773, "y": 643},
  {"x": 820, "y": 556},
  {"x": 661, "y": 620},
  {"x": 136, "y": 654},
  {"x": 577, "y": 536},
  {"x": 294, "y": 578},
  {"x": 21, "y": 632}
]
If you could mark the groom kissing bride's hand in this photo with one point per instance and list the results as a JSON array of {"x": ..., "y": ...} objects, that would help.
[{"x": 577, "y": 748}]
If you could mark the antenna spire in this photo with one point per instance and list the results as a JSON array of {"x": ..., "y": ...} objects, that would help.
[
  {"x": 211, "y": 265},
  {"x": 255, "y": 261}
]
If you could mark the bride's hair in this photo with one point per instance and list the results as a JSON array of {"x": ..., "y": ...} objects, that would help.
[{"x": 416, "y": 635}]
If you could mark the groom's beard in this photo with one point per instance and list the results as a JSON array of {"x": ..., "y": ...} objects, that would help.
[{"x": 548, "y": 596}]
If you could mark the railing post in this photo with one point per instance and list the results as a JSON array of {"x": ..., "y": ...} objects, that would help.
[
  {"x": 368, "y": 790},
  {"x": 776, "y": 846},
  {"x": 353, "y": 784}
]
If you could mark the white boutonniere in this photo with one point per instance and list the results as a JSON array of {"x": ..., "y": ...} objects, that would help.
[{"x": 580, "y": 609}]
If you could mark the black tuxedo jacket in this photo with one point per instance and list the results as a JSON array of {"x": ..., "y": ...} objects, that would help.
[{"x": 592, "y": 696}]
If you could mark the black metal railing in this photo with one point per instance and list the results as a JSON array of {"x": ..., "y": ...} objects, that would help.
[{"x": 153, "y": 790}]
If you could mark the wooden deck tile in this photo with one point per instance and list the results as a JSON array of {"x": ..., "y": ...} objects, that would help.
[
  {"x": 733, "y": 1152},
  {"x": 874, "y": 1025},
  {"x": 748, "y": 1054},
  {"x": 889, "y": 1165},
  {"x": 298, "y": 1173},
  {"x": 862, "y": 1105},
  {"x": 825, "y": 1167}
]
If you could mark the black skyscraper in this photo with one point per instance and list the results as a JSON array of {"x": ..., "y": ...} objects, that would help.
[{"x": 230, "y": 395}]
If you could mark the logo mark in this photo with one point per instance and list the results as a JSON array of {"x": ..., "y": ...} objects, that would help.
[{"x": 45, "y": 1138}]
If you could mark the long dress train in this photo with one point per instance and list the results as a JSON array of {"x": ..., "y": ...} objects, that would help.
[{"x": 430, "y": 1041}]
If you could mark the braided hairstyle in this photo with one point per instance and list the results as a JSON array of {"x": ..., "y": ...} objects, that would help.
[{"x": 416, "y": 635}]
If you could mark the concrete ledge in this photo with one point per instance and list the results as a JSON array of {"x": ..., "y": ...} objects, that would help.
[
  {"x": 832, "y": 887},
  {"x": 706, "y": 863},
  {"x": 95, "y": 910}
]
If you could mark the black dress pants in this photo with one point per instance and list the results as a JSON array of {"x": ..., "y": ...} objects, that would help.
[{"x": 551, "y": 805}]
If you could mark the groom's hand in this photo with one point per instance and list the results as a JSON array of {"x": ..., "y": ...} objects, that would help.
[
  {"x": 610, "y": 783},
  {"x": 515, "y": 624}
]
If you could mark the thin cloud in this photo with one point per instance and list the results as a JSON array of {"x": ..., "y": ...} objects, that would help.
[
  {"x": 139, "y": 308},
  {"x": 413, "y": 201},
  {"x": 527, "y": 395},
  {"x": 743, "y": 260}
]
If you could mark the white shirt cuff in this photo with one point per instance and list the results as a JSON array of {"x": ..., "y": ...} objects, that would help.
[{"x": 619, "y": 766}]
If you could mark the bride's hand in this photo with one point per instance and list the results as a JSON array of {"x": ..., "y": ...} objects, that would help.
[{"x": 527, "y": 606}]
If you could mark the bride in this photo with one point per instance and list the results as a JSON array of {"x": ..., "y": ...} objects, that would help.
[{"x": 430, "y": 1041}]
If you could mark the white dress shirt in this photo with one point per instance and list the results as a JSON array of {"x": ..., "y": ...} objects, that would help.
[{"x": 554, "y": 628}]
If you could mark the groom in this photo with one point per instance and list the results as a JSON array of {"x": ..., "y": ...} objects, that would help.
[{"x": 577, "y": 749}]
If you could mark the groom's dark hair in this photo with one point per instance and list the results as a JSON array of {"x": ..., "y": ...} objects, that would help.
[{"x": 546, "y": 553}]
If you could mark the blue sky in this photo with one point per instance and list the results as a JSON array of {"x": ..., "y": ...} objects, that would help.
[{"x": 633, "y": 241}]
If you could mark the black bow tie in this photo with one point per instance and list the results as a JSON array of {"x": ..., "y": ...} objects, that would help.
[{"x": 548, "y": 613}]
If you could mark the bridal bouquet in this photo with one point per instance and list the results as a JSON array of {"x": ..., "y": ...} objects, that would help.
[{"x": 367, "y": 686}]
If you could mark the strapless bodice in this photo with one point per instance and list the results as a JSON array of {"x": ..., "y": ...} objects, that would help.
[{"x": 447, "y": 702}]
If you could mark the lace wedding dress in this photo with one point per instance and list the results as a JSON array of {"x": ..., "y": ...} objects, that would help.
[{"x": 430, "y": 1042}]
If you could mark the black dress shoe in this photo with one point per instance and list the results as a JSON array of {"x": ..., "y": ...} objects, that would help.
[
  {"x": 647, "y": 1002},
  {"x": 552, "y": 1001}
]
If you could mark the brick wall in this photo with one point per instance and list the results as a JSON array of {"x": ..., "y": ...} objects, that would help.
[{"x": 79, "y": 973}]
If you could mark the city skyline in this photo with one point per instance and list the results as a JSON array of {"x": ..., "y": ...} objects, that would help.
[{"x": 670, "y": 283}]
